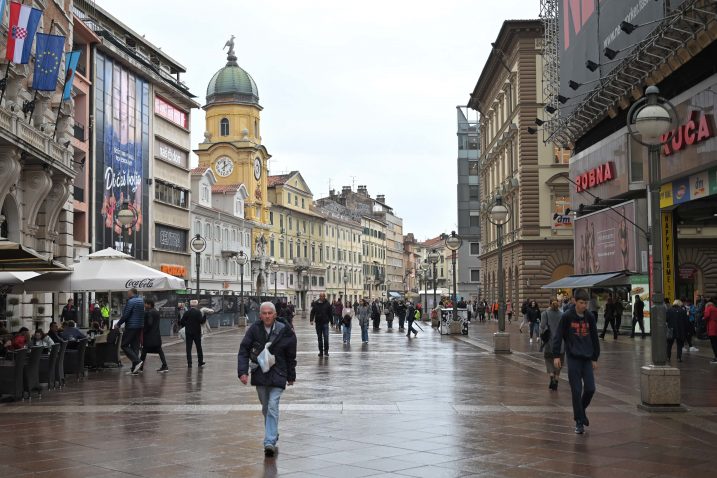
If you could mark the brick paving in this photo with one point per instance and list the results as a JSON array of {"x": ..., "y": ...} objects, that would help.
[{"x": 427, "y": 407}]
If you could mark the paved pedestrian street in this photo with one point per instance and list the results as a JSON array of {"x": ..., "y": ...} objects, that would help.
[{"x": 426, "y": 407}]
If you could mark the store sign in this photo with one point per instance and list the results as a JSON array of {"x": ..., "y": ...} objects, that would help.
[
  {"x": 170, "y": 154},
  {"x": 687, "y": 272},
  {"x": 696, "y": 186},
  {"x": 170, "y": 238},
  {"x": 173, "y": 270},
  {"x": 699, "y": 128},
  {"x": 561, "y": 218},
  {"x": 595, "y": 177}
]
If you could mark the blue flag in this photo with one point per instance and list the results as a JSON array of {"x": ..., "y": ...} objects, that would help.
[
  {"x": 48, "y": 55},
  {"x": 71, "y": 60}
]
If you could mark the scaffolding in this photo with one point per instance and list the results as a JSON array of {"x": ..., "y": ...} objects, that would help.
[{"x": 551, "y": 64}]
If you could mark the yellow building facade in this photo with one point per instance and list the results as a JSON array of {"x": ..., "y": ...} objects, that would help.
[{"x": 233, "y": 150}]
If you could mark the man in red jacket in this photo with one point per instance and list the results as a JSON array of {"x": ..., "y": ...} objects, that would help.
[{"x": 710, "y": 318}]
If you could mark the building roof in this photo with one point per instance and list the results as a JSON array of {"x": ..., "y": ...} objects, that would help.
[
  {"x": 199, "y": 170},
  {"x": 433, "y": 242},
  {"x": 226, "y": 188},
  {"x": 232, "y": 84},
  {"x": 279, "y": 179}
]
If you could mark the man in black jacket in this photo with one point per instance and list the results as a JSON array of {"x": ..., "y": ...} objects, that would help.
[
  {"x": 270, "y": 384},
  {"x": 192, "y": 322},
  {"x": 578, "y": 329},
  {"x": 321, "y": 314}
]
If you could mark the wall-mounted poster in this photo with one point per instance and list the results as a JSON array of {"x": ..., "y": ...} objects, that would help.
[
  {"x": 605, "y": 241},
  {"x": 122, "y": 157}
]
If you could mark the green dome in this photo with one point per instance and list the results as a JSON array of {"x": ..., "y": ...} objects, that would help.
[{"x": 232, "y": 84}]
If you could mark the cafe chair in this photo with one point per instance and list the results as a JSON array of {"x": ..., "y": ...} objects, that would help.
[
  {"x": 31, "y": 373},
  {"x": 60, "y": 366},
  {"x": 75, "y": 360},
  {"x": 48, "y": 367},
  {"x": 11, "y": 377}
]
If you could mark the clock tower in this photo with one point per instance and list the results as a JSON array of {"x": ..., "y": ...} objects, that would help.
[{"x": 232, "y": 141}]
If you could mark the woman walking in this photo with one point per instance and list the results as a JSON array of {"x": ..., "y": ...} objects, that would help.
[
  {"x": 533, "y": 315},
  {"x": 364, "y": 313},
  {"x": 677, "y": 324},
  {"x": 348, "y": 315},
  {"x": 152, "y": 338}
]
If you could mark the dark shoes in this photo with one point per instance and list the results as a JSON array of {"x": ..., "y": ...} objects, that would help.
[
  {"x": 202, "y": 364},
  {"x": 579, "y": 429},
  {"x": 553, "y": 384},
  {"x": 321, "y": 354},
  {"x": 163, "y": 369},
  {"x": 270, "y": 451}
]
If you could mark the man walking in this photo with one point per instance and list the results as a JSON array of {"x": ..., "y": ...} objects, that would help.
[
  {"x": 69, "y": 312},
  {"x": 411, "y": 317},
  {"x": 401, "y": 313},
  {"x": 133, "y": 316},
  {"x": 578, "y": 330},
  {"x": 638, "y": 316},
  {"x": 272, "y": 383},
  {"x": 152, "y": 340},
  {"x": 192, "y": 322},
  {"x": 376, "y": 314},
  {"x": 321, "y": 314}
]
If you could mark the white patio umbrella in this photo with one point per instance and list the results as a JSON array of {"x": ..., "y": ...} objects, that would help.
[
  {"x": 12, "y": 282},
  {"x": 105, "y": 270}
]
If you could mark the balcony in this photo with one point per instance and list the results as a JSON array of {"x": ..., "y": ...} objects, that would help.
[
  {"x": 301, "y": 263},
  {"x": 40, "y": 142},
  {"x": 230, "y": 249}
]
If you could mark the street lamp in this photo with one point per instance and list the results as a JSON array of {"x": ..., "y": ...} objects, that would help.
[
  {"x": 433, "y": 258},
  {"x": 499, "y": 215},
  {"x": 198, "y": 245},
  {"x": 346, "y": 281},
  {"x": 648, "y": 120},
  {"x": 241, "y": 259},
  {"x": 126, "y": 218},
  {"x": 454, "y": 242},
  {"x": 424, "y": 269},
  {"x": 274, "y": 268}
]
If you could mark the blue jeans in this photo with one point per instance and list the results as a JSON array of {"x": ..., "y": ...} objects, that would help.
[
  {"x": 364, "y": 333},
  {"x": 534, "y": 329},
  {"x": 322, "y": 334},
  {"x": 582, "y": 385},
  {"x": 269, "y": 398},
  {"x": 347, "y": 333}
]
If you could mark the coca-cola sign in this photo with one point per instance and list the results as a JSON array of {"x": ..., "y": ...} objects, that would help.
[{"x": 139, "y": 284}]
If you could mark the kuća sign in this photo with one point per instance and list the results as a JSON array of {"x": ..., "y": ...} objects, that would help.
[
  {"x": 595, "y": 177},
  {"x": 699, "y": 128}
]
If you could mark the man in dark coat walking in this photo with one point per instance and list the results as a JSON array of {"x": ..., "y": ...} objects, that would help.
[
  {"x": 400, "y": 310},
  {"x": 376, "y": 314},
  {"x": 192, "y": 322},
  {"x": 321, "y": 315},
  {"x": 272, "y": 383},
  {"x": 152, "y": 339},
  {"x": 133, "y": 316}
]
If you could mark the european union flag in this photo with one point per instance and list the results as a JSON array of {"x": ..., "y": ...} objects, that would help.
[{"x": 48, "y": 57}]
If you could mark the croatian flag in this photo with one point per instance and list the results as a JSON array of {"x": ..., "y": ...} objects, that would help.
[{"x": 21, "y": 32}]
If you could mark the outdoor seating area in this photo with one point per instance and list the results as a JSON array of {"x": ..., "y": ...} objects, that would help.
[{"x": 28, "y": 372}]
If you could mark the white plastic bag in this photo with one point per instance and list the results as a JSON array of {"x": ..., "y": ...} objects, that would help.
[
  {"x": 182, "y": 334},
  {"x": 266, "y": 359}
]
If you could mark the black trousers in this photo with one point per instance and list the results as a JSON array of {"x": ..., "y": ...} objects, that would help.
[
  {"x": 636, "y": 320},
  {"x": 411, "y": 330},
  {"x": 161, "y": 357},
  {"x": 376, "y": 322},
  {"x": 713, "y": 341},
  {"x": 582, "y": 385},
  {"x": 680, "y": 344},
  {"x": 196, "y": 340},
  {"x": 130, "y": 344},
  {"x": 322, "y": 334},
  {"x": 611, "y": 323},
  {"x": 401, "y": 321}
]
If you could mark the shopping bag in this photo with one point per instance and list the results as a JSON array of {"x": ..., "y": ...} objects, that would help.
[
  {"x": 266, "y": 359},
  {"x": 182, "y": 334}
]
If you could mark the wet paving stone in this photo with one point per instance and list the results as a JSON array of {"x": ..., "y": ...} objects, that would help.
[{"x": 433, "y": 406}]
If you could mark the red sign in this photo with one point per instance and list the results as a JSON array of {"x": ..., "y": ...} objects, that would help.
[
  {"x": 595, "y": 177},
  {"x": 170, "y": 112},
  {"x": 696, "y": 130},
  {"x": 687, "y": 272}
]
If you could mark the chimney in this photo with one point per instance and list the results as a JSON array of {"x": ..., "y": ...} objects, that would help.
[
  {"x": 363, "y": 190},
  {"x": 381, "y": 198},
  {"x": 332, "y": 193},
  {"x": 345, "y": 190}
]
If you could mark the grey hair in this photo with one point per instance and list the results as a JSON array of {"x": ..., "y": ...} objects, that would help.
[{"x": 268, "y": 304}]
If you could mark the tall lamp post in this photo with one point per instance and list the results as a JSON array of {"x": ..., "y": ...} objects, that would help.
[
  {"x": 198, "y": 244},
  {"x": 433, "y": 258},
  {"x": 453, "y": 243},
  {"x": 346, "y": 281},
  {"x": 241, "y": 259},
  {"x": 274, "y": 268},
  {"x": 424, "y": 269},
  {"x": 648, "y": 120},
  {"x": 499, "y": 216},
  {"x": 126, "y": 217}
]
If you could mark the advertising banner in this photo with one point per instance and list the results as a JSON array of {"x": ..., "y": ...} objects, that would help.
[
  {"x": 122, "y": 157},
  {"x": 668, "y": 255},
  {"x": 606, "y": 241},
  {"x": 587, "y": 27}
]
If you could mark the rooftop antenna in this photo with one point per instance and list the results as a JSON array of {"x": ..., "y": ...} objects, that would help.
[
  {"x": 329, "y": 185},
  {"x": 353, "y": 182}
]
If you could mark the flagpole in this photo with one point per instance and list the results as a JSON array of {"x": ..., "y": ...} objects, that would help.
[{"x": 62, "y": 96}]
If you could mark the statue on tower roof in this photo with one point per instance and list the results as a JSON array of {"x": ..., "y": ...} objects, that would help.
[{"x": 230, "y": 44}]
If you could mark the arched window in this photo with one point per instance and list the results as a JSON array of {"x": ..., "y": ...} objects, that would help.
[{"x": 224, "y": 127}]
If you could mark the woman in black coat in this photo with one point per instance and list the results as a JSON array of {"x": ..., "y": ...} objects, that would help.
[
  {"x": 677, "y": 324},
  {"x": 532, "y": 313},
  {"x": 152, "y": 339}
]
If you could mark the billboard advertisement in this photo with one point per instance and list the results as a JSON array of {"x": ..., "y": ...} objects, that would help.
[
  {"x": 606, "y": 241},
  {"x": 587, "y": 27},
  {"x": 122, "y": 157}
]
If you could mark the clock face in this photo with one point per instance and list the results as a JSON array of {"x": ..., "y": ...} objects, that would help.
[
  {"x": 224, "y": 167},
  {"x": 257, "y": 168}
]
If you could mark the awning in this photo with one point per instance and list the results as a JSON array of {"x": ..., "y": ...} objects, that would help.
[
  {"x": 15, "y": 257},
  {"x": 394, "y": 295},
  {"x": 590, "y": 280}
]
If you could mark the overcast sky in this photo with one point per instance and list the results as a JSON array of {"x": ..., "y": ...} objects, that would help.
[{"x": 353, "y": 92}]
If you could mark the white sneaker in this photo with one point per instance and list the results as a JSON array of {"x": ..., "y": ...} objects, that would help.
[
  {"x": 531, "y": 341},
  {"x": 694, "y": 349}
]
